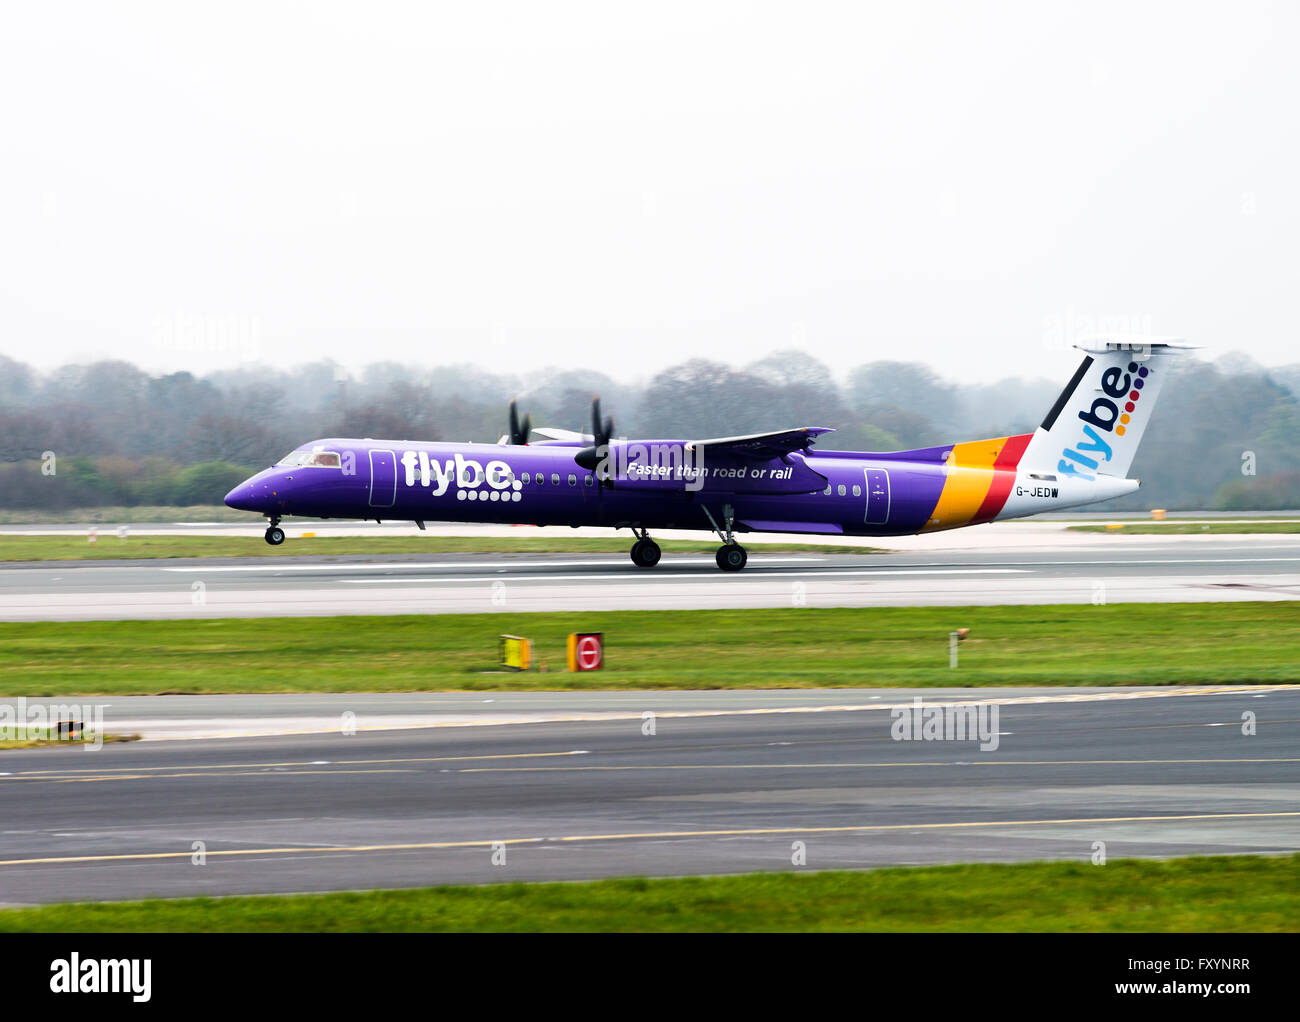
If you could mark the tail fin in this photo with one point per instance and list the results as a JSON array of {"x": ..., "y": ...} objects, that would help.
[{"x": 1098, "y": 421}]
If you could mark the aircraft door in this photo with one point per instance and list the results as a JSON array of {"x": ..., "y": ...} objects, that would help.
[
  {"x": 877, "y": 496},
  {"x": 383, "y": 479}
]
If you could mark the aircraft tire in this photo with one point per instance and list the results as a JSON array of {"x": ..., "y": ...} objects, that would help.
[
  {"x": 645, "y": 553},
  {"x": 732, "y": 557},
  {"x": 275, "y": 535}
]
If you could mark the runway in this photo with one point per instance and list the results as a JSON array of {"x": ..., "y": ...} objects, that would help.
[
  {"x": 714, "y": 790},
  {"x": 1140, "y": 569}
]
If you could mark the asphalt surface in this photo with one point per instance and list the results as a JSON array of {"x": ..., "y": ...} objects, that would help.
[
  {"x": 728, "y": 792},
  {"x": 256, "y": 715},
  {"x": 1136, "y": 569},
  {"x": 248, "y": 524}
]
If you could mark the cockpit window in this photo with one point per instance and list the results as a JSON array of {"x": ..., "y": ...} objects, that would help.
[{"x": 310, "y": 459}]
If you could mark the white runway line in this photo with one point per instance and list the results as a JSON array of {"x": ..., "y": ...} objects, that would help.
[
  {"x": 708, "y": 591},
  {"x": 704, "y": 577},
  {"x": 196, "y": 728},
  {"x": 446, "y": 566},
  {"x": 669, "y": 563}
]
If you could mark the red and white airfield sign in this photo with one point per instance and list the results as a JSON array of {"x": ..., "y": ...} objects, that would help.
[{"x": 586, "y": 651}]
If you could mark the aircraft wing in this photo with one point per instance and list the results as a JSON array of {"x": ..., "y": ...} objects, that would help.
[
  {"x": 563, "y": 436},
  {"x": 762, "y": 445}
]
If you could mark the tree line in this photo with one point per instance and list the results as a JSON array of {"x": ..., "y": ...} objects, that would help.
[{"x": 1226, "y": 435}]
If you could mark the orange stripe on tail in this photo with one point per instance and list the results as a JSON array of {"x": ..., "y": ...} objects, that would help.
[{"x": 1004, "y": 477}]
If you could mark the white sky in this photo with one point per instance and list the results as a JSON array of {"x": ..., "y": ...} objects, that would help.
[{"x": 628, "y": 185}]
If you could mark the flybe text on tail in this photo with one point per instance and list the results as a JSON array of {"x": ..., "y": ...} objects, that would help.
[
  {"x": 1120, "y": 390},
  {"x": 1093, "y": 430}
]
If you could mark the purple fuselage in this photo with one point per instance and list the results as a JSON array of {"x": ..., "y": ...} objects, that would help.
[{"x": 541, "y": 484}]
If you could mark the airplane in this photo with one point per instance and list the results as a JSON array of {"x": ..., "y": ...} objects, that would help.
[{"x": 729, "y": 486}]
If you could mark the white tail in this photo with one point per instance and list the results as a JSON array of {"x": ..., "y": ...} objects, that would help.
[{"x": 1097, "y": 423}]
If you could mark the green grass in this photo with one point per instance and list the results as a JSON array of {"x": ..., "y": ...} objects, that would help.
[
  {"x": 109, "y": 546},
  {"x": 1168, "y": 528},
  {"x": 1166, "y": 644},
  {"x": 118, "y": 514},
  {"x": 1197, "y": 894}
]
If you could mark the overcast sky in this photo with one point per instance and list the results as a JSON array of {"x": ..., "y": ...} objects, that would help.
[{"x": 627, "y": 185}]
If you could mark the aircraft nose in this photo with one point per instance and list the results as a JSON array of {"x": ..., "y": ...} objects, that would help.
[
  {"x": 253, "y": 494},
  {"x": 241, "y": 497}
]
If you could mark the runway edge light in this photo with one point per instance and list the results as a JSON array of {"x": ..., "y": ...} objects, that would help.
[
  {"x": 516, "y": 652},
  {"x": 586, "y": 651}
]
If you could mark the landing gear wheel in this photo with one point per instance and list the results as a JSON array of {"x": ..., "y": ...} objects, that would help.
[
  {"x": 732, "y": 557},
  {"x": 646, "y": 553},
  {"x": 275, "y": 535}
]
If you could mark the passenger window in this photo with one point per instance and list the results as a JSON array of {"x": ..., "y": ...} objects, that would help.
[
  {"x": 828, "y": 489},
  {"x": 540, "y": 478},
  {"x": 857, "y": 491},
  {"x": 555, "y": 478},
  {"x": 573, "y": 480},
  {"x": 586, "y": 480},
  {"x": 841, "y": 489}
]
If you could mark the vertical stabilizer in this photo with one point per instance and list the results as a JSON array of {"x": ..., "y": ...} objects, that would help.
[{"x": 1095, "y": 426}]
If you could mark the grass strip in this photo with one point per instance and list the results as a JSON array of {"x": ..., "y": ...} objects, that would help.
[
  {"x": 1222, "y": 894},
  {"x": 1190, "y": 528},
  {"x": 108, "y": 546},
  {"x": 800, "y": 647}
]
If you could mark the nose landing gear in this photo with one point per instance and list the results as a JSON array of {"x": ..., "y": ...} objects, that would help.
[{"x": 274, "y": 534}]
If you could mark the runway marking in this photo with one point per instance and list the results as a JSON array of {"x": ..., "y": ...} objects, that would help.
[
  {"x": 607, "y": 716},
  {"x": 1084, "y": 561},
  {"x": 924, "y": 763},
  {"x": 243, "y": 769},
  {"x": 647, "y": 835},
  {"x": 233, "y": 773},
  {"x": 538, "y": 568},
  {"x": 693, "y": 577},
  {"x": 144, "y": 770},
  {"x": 445, "y": 566}
]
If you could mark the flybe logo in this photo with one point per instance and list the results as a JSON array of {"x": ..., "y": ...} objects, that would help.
[
  {"x": 1109, "y": 414},
  {"x": 473, "y": 480}
]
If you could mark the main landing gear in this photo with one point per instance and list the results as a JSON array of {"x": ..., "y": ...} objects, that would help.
[
  {"x": 274, "y": 534},
  {"x": 731, "y": 555},
  {"x": 645, "y": 551}
]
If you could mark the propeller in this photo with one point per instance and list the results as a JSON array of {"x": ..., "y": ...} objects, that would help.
[
  {"x": 601, "y": 434},
  {"x": 518, "y": 434}
]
